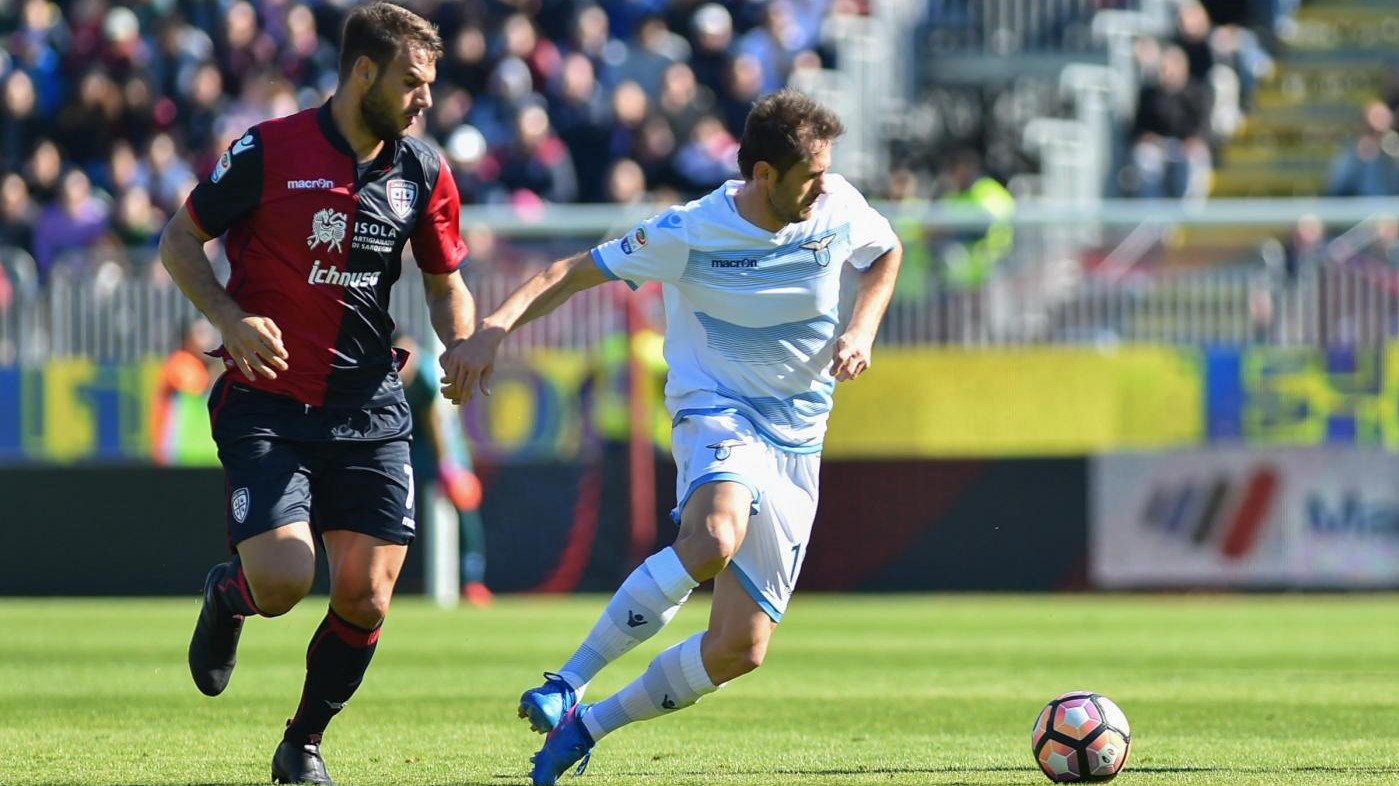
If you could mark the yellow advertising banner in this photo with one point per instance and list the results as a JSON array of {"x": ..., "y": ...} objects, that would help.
[{"x": 1041, "y": 401}]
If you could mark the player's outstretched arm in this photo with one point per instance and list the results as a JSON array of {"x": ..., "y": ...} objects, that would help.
[
  {"x": 854, "y": 347},
  {"x": 253, "y": 342},
  {"x": 540, "y": 295}
]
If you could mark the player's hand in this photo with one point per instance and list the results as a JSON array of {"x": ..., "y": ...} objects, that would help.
[
  {"x": 852, "y": 356},
  {"x": 255, "y": 344},
  {"x": 468, "y": 364}
]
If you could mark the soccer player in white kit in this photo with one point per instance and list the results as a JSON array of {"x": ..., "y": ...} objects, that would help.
[{"x": 756, "y": 340}]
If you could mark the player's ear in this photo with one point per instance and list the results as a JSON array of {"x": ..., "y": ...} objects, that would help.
[
  {"x": 365, "y": 71},
  {"x": 765, "y": 173}
]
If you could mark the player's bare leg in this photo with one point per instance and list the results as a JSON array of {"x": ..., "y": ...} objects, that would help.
[
  {"x": 270, "y": 574},
  {"x": 363, "y": 571},
  {"x": 739, "y": 631},
  {"x": 713, "y": 526}
]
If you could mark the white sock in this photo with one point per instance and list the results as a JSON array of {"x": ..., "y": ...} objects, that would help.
[
  {"x": 674, "y": 680},
  {"x": 646, "y": 602}
]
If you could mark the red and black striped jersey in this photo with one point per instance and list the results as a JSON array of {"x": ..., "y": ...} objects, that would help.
[{"x": 316, "y": 240}]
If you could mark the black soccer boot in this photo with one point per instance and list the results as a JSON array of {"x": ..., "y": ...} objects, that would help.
[
  {"x": 213, "y": 651},
  {"x": 293, "y": 763}
]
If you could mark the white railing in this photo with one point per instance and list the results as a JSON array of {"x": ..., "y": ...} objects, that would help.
[
  {"x": 1008, "y": 27},
  {"x": 1101, "y": 272}
]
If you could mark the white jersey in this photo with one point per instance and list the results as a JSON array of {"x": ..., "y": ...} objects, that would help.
[{"x": 752, "y": 315}]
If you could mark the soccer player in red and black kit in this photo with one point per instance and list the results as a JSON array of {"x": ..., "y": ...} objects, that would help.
[{"x": 310, "y": 416}]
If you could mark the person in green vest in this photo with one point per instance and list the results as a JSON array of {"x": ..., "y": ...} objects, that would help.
[
  {"x": 968, "y": 257},
  {"x": 915, "y": 282}
]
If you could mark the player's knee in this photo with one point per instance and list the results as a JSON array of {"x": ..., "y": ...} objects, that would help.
[
  {"x": 365, "y": 609},
  {"x": 704, "y": 556},
  {"x": 734, "y": 658},
  {"x": 706, "y": 551},
  {"x": 277, "y": 596},
  {"x": 749, "y": 658}
]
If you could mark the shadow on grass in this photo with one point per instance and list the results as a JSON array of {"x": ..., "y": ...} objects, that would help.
[
  {"x": 819, "y": 772},
  {"x": 1334, "y": 769}
]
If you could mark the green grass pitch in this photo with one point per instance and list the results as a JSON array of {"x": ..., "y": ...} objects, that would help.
[{"x": 1231, "y": 690}]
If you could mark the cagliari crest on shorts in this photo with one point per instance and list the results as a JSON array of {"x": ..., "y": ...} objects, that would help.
[
  {"x": 240, "y": 501},
  {"x": 402, "y": 194}
]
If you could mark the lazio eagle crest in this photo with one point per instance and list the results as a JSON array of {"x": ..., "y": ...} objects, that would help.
[{"x": 820, "y": 249}]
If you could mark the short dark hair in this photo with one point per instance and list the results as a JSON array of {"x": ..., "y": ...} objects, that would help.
[
  {"x": 783, "y": 128},
  {"x": 379, "y": 31}
]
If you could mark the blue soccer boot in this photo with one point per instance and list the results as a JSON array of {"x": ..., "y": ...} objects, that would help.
[
  {"x": 546, "y": 705},
  {"x": 567, "y": 744}
]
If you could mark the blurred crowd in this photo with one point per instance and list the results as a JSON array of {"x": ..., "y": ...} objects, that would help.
[
  {"x": 1195, "y": 87},
  {"x": 1368, "y": 165},
  {"x": 111, "y": 112}
]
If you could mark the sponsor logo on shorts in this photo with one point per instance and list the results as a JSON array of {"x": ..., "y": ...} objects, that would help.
[
  {"x": 240, "y": 501},
  {"x": 635, "y": 620}
]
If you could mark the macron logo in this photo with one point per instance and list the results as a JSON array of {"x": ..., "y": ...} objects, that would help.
[
  {"x": 318, "y": 184},
  {"x": 746, "y": 262},
  {"x": 339, "y": 278}
]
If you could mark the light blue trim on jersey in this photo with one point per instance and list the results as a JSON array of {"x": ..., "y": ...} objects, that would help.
[
  {"x": 795, "y": 448},
  {"x": 756, "y": 594},
  {"x": 717, "y": 477},
  {"x": 765, "y": 268},
  {"x": 794, "y": 411},
  {"x": 769, "y": 345},
  {"x": 607, "y": 271}
]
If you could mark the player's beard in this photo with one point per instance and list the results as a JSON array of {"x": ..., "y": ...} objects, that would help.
[
  {"x": 785, "y": 214},
  {"x": 380, "y": 115}
]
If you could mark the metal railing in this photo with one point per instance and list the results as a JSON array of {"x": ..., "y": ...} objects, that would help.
[
  {"x": 1224, "y": 271},
  {"x": 1008, "y": 27}
]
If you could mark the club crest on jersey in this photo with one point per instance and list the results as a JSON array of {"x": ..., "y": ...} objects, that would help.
[
  {"x": 328, "y": 227},
  {"x": 239, "y": 502},
  {"x": 821, "y": 249},
  {"x": 402, "y": 195}
]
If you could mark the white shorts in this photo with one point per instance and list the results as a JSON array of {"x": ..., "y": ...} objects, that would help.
[{"x": 722, "y": 446}]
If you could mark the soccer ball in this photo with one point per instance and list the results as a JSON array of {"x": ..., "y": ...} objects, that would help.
[{"x": 1081, "y": 736}]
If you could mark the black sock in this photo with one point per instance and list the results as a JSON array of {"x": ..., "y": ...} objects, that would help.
[
  {"x": 233, "y": 591},
  {"x": 335, "y": 664}
]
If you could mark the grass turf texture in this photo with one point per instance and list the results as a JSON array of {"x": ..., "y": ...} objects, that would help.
[{"x": 862, "y": 690}]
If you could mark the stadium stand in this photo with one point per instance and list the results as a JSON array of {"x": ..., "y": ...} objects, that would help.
[{"x": 111, "y": 111}]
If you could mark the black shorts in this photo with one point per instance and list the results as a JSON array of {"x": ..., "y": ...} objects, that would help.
[{"x": 337, "y": 469}]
